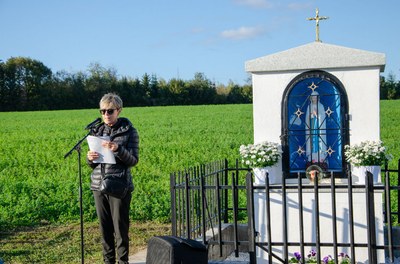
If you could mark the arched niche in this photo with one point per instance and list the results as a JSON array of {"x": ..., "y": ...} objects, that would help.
[{"x": 315, "y": 125}]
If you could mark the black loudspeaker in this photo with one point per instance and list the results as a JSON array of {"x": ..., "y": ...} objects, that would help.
[{"x": 175, "y": 250}]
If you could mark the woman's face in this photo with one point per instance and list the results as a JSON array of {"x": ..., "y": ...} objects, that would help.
[
  {"x": 109, "y": 114},
  {"x": 314, "y": 99}
]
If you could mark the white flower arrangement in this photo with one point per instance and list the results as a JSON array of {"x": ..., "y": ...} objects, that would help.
[
  {"x": 260, "y": 155},
  {"x": 367, "y": 153}
]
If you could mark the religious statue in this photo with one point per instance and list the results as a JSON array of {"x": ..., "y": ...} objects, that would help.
[{"x": 315, "y": 130}]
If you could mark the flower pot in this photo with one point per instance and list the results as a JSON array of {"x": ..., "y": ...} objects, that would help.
[
  {"x": 359, "y": 174},
  {"x": 274, "y": 175}
]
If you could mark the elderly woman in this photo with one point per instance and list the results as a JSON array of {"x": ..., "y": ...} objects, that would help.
[{"x": 113, "y": 208}]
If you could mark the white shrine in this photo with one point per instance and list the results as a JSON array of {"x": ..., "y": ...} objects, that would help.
[
  {"x": 356, "y": 70},
  {"x": 346, "y": 83}
]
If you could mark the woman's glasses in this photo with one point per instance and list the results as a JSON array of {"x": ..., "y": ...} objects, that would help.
[{"x": 109, "y": 111}]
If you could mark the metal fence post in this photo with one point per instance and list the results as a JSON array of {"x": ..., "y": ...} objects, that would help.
[
  {"x": 203, "y": 203},
  {"x": 251, "y": 231},
  {"x": 173, "y": 203},
  {"x": 351, "y": 213},
  {"x": 388, "y": 214},
  {"x": 268, "y": 220},
  {"x": 235, "y": 215},
  {"x": 369, "y": 190},
  {"x": 398, "y": 192},
  {"x": 225, "y": 183},
  {"x": 187, "y": 203},
  {"x": 301, "y": 214}
]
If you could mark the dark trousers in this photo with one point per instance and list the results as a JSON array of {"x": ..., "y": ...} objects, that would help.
[{"x": 113, "y": 214}]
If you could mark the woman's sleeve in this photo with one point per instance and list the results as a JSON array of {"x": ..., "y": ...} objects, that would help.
[{"x": 129, "y": 154}]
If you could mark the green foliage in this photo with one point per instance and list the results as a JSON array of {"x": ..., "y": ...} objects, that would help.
[
  {"x": 27, "y": 84},
  {"x": 38, "y": 185},
  {"x": 389, "y": 88},
  {"x": 22, "y": 83}
]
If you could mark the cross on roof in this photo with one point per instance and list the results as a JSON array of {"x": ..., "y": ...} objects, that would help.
[{"x": 317, "y": 18}]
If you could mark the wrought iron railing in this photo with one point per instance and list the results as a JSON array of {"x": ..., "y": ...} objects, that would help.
[{"x": 206, "y": 197}]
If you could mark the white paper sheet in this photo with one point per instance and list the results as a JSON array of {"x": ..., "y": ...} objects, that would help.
[{"x": 106, "y": 155}]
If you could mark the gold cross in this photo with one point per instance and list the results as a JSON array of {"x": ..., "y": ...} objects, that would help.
[{"x": 317, "y": 18}]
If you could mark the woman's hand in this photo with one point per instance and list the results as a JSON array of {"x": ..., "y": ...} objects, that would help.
[
  {"x": 110, "y": 145},
  {"x": 92, "y": 155}
]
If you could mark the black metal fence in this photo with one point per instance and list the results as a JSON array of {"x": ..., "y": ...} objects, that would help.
[{"x": 207, "y": 197}]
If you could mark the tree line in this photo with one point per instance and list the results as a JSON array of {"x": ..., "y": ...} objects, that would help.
[
  {"x": 389, "y": 88},
  {"x": 27, "y": 85}
]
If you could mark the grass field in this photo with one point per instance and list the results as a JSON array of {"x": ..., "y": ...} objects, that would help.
[
  {"x": 52, "y": 244},
  {"x": 39, "y": 188},
  {"x": 39, "y": 185}
]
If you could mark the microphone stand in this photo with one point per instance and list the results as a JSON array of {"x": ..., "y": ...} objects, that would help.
[{"x": 77, "y": 147}]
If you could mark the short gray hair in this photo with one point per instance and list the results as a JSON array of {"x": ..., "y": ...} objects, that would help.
[{"x": 111, "y": 99}]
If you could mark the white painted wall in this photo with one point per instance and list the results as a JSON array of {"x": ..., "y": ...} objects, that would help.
[
  {"x": 268, "y": 91},
  {"x": 361, "y": 85}
]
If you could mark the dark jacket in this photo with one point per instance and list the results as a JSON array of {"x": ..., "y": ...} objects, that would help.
[{"x": 127, "y": 155}]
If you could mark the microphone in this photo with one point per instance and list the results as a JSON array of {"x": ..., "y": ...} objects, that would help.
[{"x": 93, "y": 124}]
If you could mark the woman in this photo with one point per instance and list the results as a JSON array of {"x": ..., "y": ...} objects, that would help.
[
  {"x": 315, "y": 130},
  {"x": 112, "y": 211}
]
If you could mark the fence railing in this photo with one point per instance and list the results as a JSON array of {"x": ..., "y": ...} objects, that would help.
[
  {"x": 200, "y": 198},
  {"x": 206, "y": 197}
]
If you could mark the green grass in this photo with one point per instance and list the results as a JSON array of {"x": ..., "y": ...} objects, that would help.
[
  {"x": 390, "y": 129},
  {"x": 39, "y": 185},
  {"x": 62, "y": 243}
]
